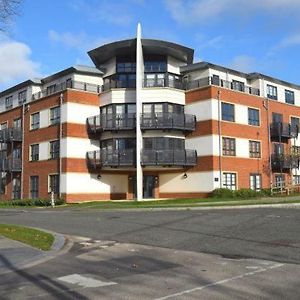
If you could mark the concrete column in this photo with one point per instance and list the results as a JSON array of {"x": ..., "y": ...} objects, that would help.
[{"x": 139, "y": 137}]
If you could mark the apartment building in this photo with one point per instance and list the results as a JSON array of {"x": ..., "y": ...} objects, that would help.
[{"x": 147, "y": 122}]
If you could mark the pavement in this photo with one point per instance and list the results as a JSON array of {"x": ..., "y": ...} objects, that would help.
[{"x": 212, "y": 254}]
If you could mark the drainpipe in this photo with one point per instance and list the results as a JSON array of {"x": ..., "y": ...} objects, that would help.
[
  {"x": 22, "y": 156},
  {"x": 61, "y": 98},
  {"x": 220, "y": 138}
]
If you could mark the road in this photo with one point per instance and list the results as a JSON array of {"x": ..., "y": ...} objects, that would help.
[{"x": 169, "y": 254}]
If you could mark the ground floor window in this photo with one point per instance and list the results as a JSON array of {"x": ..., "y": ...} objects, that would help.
[
  {"x": 296, "y": 179},
  {"x": 34, "y": 187},
  {"x": 255, "y": 182},
  {"x": 229, "y": 181},
  {"x": 2, "y": 183},
  {"x": 53, "y": 183},
  {"x": 279, "y": 180},
  {"x": 16, "y": 191}
]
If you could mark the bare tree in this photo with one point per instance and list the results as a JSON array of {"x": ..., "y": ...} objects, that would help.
[{"x": 8, "y": 9}]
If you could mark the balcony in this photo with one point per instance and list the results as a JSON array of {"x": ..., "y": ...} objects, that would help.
[
  {"x": 111, "y": 122},
  {"x": 167, "y": 158},
  {"x": 163, "y": 80},
  {"x": 119, "y": 84},
  {"x": 168, "y": 121},
  {"x": 72, "y": 84},
  {"x": 284, "y": 162},
  {"x": 111, "y": 158},
  {"x": 208, "y": 81},
  {"x": 10, "y": 165},
  {"x": 11, "y": 135},
  {"x": 281, "y": 130}
]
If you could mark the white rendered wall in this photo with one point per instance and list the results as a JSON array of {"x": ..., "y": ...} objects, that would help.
[
  {"x": 85, "y": 183},
  {"x": 195, "y": 182},
  {"x": 174, "y": 65},
  {"x": 118, "y": 96},
  {"x": 163, "y": 95},
  {"x": 110, "y": 67},
  {"x": 77, "y": 147},
  {"x": 77, "y": 113},
  {"x": 88, "y": 79}
]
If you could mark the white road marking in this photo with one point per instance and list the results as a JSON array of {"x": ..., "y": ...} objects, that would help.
[
  {"x": 87, "y": 282},
  {"x": 220, "y": 282}
]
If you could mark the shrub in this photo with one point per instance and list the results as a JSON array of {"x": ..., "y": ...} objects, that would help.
[
  {"x": 265, "y": 192},
  {"x": 32, "y": 202},
  {"x": 246, "y": 193},
  {"x": 222, "y": 193}
]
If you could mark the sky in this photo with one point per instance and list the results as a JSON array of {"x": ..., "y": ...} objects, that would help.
[{"x": 248, "y": 35}]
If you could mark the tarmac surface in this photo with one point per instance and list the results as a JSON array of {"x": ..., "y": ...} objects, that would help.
[{"x": 205, "y": 254}]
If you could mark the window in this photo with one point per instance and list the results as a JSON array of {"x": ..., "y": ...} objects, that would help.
[
  {"x": 35, "y": 121},
  {"x": 2, "y": 183},
  {"x": 228, "y": 146},
  {"x": 279, "y": 180},
  {"x": 3, "y": 125},
  {"x": 69, "y": 83},
  {"x": 227, "y": 112},
  {"x": 17, "y": 123},
  {"x": 54, "y": 115},
  {"x": 294, "y": 125},
  {"x": 9, "y": 102},
  {"x": 238, "y": 86},
  {"x": 16, "y": 191},
  {"x": 253, "y": 116},
  {"x": 51, "y": 89},
  {"x": 289, "y": 97},
  {"x": 53, "y": 183},
  {"x": 229, "y": 181},
  {"x": 295, "y": 150},
  {"x": 34, "y": 187},
  {"x": 271, "y": 92},
  {"x": 34, "y": 152},
  {"x": 278, "y": 149},
  {"x": 296, "y": 179},
  {"x": 22, "y": 97},
  {"x": 126, "y": 67},
  {"x": 277, "y": 118},
  {"x": 54, "y": 149},
  {"x": 254, "y": 149},
  {"x": 255, "y": 182}
]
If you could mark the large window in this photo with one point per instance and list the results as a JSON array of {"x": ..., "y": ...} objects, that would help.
[
  {"x": 296, "y": 179},
  {"x": 9, "y": 102},
  {"x": 34, "y": 187},
  {"x": 22, "y": 97},
  {"x": 295, "y": 124},
  {"x": 161, "y": 143},
  {"x": 255, "y": 182},
  {"x": 279, "y": 180},
  {"x": 126, "y": 67},
  {"x": 53, "y": 183},
  {"x": 34, "y": 152},
  {"x": 271, "y": 92},
  {"x": 289, "y": 97},
  {"x": 227, "y": 112},
  {"x": 229, "y": 181},
  {"x": 17, "y": 123},
  {"x": 253, "y": 116},
  {"x": 54, "y": 149},
  {"x": 254, "y": 149},
  {"x": 2, "y": 183},
  {"x": 228, "y": 146},
  {"x": 238, "y": 86},
  {"x": 35, "y": 121},
  {"x": 16, "y": 191},
  {"x": 54, "y": 115},
  {"x": 51, "y": 89}
]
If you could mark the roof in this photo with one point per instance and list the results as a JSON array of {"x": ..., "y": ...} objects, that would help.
[
  {"x": 103, "y": 53},
  {"x": 24, "y": 84},
  {"x": 206, "y": 65}
]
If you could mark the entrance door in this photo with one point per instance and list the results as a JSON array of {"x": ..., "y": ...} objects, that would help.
[{"x": 148, "y": 186}]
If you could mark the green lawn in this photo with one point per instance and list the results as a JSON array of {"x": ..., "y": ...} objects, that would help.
[{"x": 33, "y": 237}]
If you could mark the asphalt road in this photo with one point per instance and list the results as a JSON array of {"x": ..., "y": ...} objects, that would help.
[{"x": 186, "y": 254}]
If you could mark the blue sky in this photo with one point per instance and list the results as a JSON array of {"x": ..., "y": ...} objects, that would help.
[{"x": 249, "y": 35}]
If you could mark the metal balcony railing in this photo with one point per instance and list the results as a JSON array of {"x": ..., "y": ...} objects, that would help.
[
  {"x": 163, "y": 80},
  {"x": 111, "y": 158},
  {"x": 284, "y": 162},
  {"x": 111, "y": 122},
  {"x": 207, "y": 81},
  {"x": 10, "y": 135},
  {"x": 119, "y": 84},
  {"x": 72, "y": 84},
  {"x": 11, "y": 165},
  {"x": 169, "y": 157},
  {"x": 166, "y": 121},
  {"x": 279, "y": 130}
]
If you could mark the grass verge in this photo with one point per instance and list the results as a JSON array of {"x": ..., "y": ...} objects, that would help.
[{"x": 33, "y": 237}]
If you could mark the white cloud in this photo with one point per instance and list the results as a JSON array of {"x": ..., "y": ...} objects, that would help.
[
  {"x": 15, "y": 62},
  {"x": 197, "y": 11},
  {"x": 243, "y": 63},
  {"x": 293, "y": 40}
]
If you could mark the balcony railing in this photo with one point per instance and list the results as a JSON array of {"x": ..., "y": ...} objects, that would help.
[
  {"x": 111, "y": 158},
  {"x": 77, "y": 85},
  {"x": 284, "y": 162},
  {"x": 119, "y": 84},
  {"x": 169, "y": 158},
  {"x": 207, "y": 81},
  {"x": 10, "y": 135},
  {"x": 111, "y": 122},
  {"x": 11, "y": 165},
  {"x": 281, "y": 130},
  {"x": 166, "y": 121}
]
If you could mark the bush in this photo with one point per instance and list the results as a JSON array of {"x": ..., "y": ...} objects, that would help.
[
  {"x": 245, "y": 193},
  {"x": 265, "y": 192},
  {"x": 222, "y": 193},
  {"x": 32, "y": 202}
]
